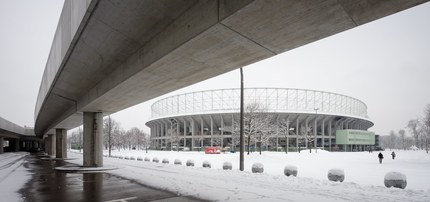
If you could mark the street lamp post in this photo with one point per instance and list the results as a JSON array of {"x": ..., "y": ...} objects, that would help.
[{"x": 242, "y": 148}]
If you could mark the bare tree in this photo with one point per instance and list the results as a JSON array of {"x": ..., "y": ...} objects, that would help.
[
  {"x": 257, "y": 125},
  {"x": 392, "y": 140},
  {"x": 198, "y": 139},
  {"x": 402, "y": 139},
  {"x": 426, "y": 127},
  {"x": 110, "y": 131},
  {"x": 305, "y": 133},
  {"x": 414, "y": 130},
  {"x": 146, "y": 141},
  {"x": 284, "y": 129},
  {"x": 175, "y": 137}
]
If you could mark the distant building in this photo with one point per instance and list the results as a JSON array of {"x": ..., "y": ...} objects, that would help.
[{"x": 208, "y": 118}]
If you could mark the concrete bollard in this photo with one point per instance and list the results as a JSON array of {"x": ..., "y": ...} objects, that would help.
[
  {"x": 257, "y": 168},
  {"x": 206, "y": 164},
  {"x": 336, "y": 175},
  {"x": 395, "y": 179},
  {"x": 155, "y": 160},
  {"x": 227, "y": 166},
  {"x": 139, "y": 158},
  {"x": 290, "y": 170},
  {"x": 165, "y": 161},
  {"x": 178, "y": 162},
  {"x": 147, "y": 159},
  {"x": 132, "y": 158},
  {"x": 190, "y": 163}
]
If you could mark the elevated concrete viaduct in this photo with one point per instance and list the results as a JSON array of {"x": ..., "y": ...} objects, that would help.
[
  {"x": 18, "y": 138},
  {"x": 109, "y": 55}
]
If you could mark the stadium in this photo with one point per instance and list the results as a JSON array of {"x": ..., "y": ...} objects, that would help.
[{"x": 298, "y": 118}]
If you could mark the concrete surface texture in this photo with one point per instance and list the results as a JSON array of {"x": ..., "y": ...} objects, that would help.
[{"x": 107, "y": 56}]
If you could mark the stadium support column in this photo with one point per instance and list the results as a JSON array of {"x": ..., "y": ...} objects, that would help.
[
  {"x": 61, "y": 143},
  {"x": 329, "y": 134},
  {"x": 315, "y": 133},
  {"x": 93, "y": 139},
  {"x": 1, "y": 145},
  {"x": 201, "y": 133},
  {"x": 297, "y": 133},
  {"x": 322, "y": 133},
  {"x": 185, "y": 133},
  {"x": 222, "y": 132},
  {"x": 288, "y": 134},
  {"x": 193, "y": 127},
  {"x": 306, "y": 132},
  {"x": 212, "y": 131}
]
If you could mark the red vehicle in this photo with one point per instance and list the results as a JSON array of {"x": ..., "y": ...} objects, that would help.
[{"x": 212, "y": 150}]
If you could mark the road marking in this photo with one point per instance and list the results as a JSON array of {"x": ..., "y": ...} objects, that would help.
[{"x": 122, "y": 199}]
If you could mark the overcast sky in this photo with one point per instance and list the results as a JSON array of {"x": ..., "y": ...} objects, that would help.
[{"x": 385, "y": 63}]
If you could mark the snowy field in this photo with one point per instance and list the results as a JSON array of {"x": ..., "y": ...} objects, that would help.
[{"x": 364, "y": 176}]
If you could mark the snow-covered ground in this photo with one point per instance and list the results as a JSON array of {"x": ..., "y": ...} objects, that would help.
[
  {"x": 13, "y": 175},
  {"x": 364, "y": 176}
]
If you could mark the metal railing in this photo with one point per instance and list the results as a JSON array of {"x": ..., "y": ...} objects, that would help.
[{"x": 281, "y": 100}]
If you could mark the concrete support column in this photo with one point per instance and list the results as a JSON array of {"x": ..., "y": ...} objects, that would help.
[
  {"x": 330, "y": 134},
  {"x": 51, "y": 144},
  {"x": 45, "y": 143},
  {"x": 93, "y": 139},
  {"x": 16, "y": 145},
  {"x": 1, "y": 145},
  {"x": 61, "y": 143}
]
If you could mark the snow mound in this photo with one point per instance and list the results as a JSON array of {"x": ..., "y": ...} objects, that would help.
[
  {"x": 395, "y": 179},
  {"x": 139, "y": 158},
  {"x": 336, "y": 175},
  {"x": 206, "y": 164},
  {"x": 165, "y": 160},
  {"x": 178, "y": 162},
  {"x": 190, "y": 163},
  {"x": 257, "y": 168},
  {"x": 290, "y": 170},
  {"x": 227, "y": 166},
  {"x": 155, "y": 159},
  {"x": 147, "y": 159}
]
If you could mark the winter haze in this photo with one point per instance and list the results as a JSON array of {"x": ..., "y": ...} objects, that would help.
[{"x": 384, "y": 63}]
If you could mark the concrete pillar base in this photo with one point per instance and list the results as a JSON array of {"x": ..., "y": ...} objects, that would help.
[
  {"x": 1, "y": 145},
  {"x": 93, "y": 139},
  {"x": 61, "y": 143}
]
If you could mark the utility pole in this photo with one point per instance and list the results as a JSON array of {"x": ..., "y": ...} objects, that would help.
[{"x": 242, "y": 148}]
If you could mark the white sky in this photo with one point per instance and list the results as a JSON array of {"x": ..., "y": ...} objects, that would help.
[{"x": 385, "y": 63}]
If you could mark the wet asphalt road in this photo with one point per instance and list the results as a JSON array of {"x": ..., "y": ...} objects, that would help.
[{"x": 56, "y": 186}]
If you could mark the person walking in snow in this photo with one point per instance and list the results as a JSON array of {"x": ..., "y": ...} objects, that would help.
[
  {"x": 393, "y": 155},
  {"x": 380, "y": 156}
]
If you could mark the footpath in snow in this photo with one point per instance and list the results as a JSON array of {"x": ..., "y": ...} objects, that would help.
[{"x": 363, "y": 176}]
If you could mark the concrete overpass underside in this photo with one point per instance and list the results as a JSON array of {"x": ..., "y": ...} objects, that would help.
[
  {"x": 125, "y": 52},
  {"x": 110, "y": 55}
]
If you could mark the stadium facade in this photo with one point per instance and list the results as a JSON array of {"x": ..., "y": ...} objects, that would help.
[{"x": 210, "y": 118}]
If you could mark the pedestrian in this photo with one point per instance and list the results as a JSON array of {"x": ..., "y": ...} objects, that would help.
[
  {"x": 393, "y": 155},
  {"x": 380, "y": 156}
]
